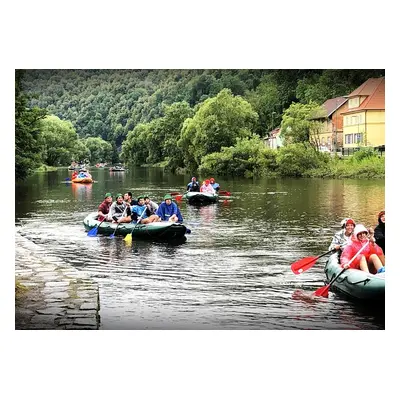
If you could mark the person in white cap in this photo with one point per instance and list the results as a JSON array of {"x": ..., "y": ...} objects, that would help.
[
  {"x": 371, "y": 258},
  {"x": 343, "y": 237}
]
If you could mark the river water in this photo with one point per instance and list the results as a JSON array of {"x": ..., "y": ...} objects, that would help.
[{"x": 233, "y": 272}]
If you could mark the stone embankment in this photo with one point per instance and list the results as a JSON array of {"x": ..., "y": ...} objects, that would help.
[{"x": 57, "y": 295}]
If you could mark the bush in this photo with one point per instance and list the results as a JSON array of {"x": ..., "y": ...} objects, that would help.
[
  {"x": 249, "y": 157},
  {"x": 296, "y": 159}
]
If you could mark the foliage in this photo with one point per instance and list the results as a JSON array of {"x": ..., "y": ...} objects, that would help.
[
  {"x": 218, "y": 122},
  {"x": 58, "y": 140},
  {"x": 298, "y": 125},
  {"x": 295, "y": 159},
  {"x": 350, "y": 167},
  {"x": 249, "y": 157},
  {"x": 100, "y": 150},
  {"x": 333, "y": 83},
  {"x": 265, "y": 101},
  {"x": 134, "y": 149},
  {"x": 27, "y": 129},
  {"x": 144, "y": 113},
  {"x": 363, "y": 153}
]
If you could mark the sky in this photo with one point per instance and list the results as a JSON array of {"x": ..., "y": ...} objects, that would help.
[{"x": 183, "y": 35}]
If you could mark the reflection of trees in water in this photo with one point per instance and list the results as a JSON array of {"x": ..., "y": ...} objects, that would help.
[{"x": 82, "y": 191}]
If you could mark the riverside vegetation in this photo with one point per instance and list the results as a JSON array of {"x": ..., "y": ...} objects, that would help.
[{"x": 203, "y": 121}]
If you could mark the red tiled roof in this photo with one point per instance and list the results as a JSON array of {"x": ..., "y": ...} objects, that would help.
[
  {"x": 374, "y": 89},
  {"x": 331, "y": 105}
]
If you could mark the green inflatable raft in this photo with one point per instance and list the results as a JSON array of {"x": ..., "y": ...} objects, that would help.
[
  {"x": 160, "y": 231},
  {"x": 200, "y": 198},
  {"x": 355, "y": 283}
]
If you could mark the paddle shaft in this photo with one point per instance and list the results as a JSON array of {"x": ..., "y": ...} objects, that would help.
[
  {"x": 137, "y": 223},
  {"x": 326, "y": 288},
  {"x": 126, "y": 208}
]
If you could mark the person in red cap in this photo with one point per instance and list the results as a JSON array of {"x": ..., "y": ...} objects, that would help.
[
  {"x": 343, "y": 237},
  {"x": 207, "y": 187},
  {"x": 214, "y": 184}
]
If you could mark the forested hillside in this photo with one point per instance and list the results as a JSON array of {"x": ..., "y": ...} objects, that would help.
[{"x": 144, "y": 113}]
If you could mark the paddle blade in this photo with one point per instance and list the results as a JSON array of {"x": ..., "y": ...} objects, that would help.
[
  {"x": 179, "y": 197},
  {"x": 303, "y": 265},
  {"x": 93, "y": 231},
  {"x": 128, "y": 238},
  {"x": 224, "y": 193},
  {"x": 323, "y": 291}
]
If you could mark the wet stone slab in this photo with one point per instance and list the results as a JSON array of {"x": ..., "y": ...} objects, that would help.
[{"x": 58, "y": 296}]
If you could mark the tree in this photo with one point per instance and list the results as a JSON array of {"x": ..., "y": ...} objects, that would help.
[
  {"x": 298, "y": 125},
  {"x": 58, "y": 139},
  {"x": 27, "y": 130},
  {"x": 218, "y": 122},
  {"x": 100, "y": 150},
  {"x": 265, "y": 101}
]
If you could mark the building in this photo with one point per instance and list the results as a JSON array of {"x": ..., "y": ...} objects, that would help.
[
  {"x": 331, "y": 133},
  {"x": 364, "y": 119},
  {"x": 273, "y": 139}
]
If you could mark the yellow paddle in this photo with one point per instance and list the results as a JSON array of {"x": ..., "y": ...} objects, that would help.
[{"x": 128, "y": 237}]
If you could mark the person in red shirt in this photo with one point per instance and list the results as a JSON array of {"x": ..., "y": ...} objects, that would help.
[
  {"x": 104, "y": 207},
  {"x": 371, "y": 258}
]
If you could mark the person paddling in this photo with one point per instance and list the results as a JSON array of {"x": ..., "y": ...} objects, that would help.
[
  {"x": 371, "y": 257},
  {"x": 343, "y": 237}
]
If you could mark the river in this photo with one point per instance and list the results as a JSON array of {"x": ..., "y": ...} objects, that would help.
[{"x": 233, "y": 272}]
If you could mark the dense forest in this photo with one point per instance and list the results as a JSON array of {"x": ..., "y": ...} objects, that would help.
[{"x": 180, "y": 119}]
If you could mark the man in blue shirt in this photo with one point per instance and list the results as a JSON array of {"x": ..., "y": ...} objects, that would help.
[{"x": 169, "y": 211}]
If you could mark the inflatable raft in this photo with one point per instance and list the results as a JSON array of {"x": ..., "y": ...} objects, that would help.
[
  {"x": 161, "y": 231},
  {"x": 82, "y": 180},
  {"x": 200, "y": 197},
  {"x": 354, "y": 282}
]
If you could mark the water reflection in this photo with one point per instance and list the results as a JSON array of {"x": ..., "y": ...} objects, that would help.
[
  {"x": 82, "y": 191},
  {"x": 233, "y": 272}
]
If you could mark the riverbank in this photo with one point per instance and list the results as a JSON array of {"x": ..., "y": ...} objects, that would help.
[{"x": 50, "y": 293}]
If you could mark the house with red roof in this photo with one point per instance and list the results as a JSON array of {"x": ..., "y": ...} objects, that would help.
[
  {"x": 331, "y": 132},
  {"x": 364, "y": 119}
]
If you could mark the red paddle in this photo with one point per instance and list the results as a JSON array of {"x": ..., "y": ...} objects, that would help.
[
  {"x": 174, "y": 193},
  {"x": 179, "y": 197},
  {"x": 323, "y": 291},
  {"x": 224, "y": 193},
  {"x": 306, "y": 263}
]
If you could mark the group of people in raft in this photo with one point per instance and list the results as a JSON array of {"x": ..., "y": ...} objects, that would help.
[
  {"x": 81, "y": 174},
  {"x": 143, "y": 210},
  {"x": 351, "y": 238},
  {"x": 208, "y": 186}
]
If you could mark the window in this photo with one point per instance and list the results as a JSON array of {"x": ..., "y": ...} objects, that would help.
[
  {"x": 358, "y": 137},
  {"x": 348, "y": 139}
]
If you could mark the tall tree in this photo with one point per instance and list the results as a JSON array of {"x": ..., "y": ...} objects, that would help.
[
  {"x": 27, "y": 130},
  {"x": 218, "y": 122}
]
